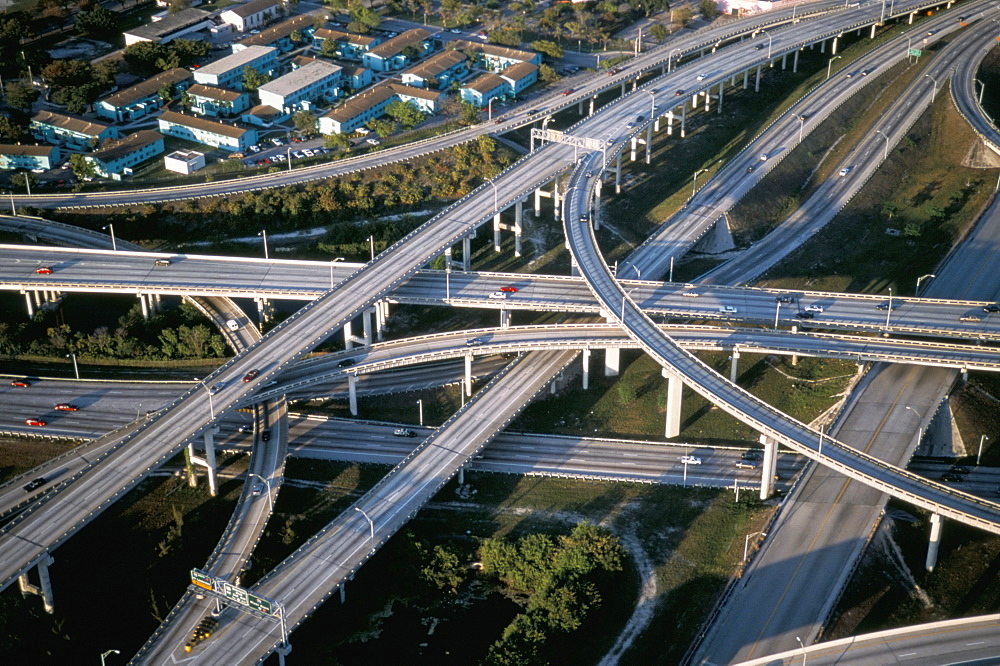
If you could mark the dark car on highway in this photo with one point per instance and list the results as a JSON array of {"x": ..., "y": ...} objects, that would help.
[
  {"x": 952, "y": 477},
  {"x": 252, "y": 375},
  {"x": 35, "y": 484}
]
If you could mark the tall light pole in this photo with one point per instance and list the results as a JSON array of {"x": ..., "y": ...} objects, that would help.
[
  {"x": 885, "y": 155},
  {"x": 979, "y": 454},
  {"x": 331, "y": 269},
  {"x": 768, "y": 43},
  {"x": 888, "y": 312},
  {"x": 211, "y": 404},
  {"x": 922, "y": 278},
  {"x": 934, "y": 89},
  {"x": 982, "y": 89},
  {"x": 76, "y": 368},
  {"x": 746, "y": 543},
  {"x": 107, "y": 653},
  {"x": 669, "y": 56},
  {"x": 489, "y": 108},
  {"x": 830, "y": 64},
  {"x": 638, "y": 275},
  {"x": 671, "y": 270},
  {"x": 652, "y": 104},
  {"x": 694, "y": 181},
  {"x": 263, "y": 233},
  {"x": 777, "y": 311},
  {"x": 270, "y": 500},
  {"x": 803, "y": 650},
  {"x": 802, "y": 122},
  {"x": 920, "y": 430},
  {"x": 420, "y": 409},
  {"x": 289, "y": 159},
  {"x": 371, "y": 245},
  {"x": 114, "y": 243},
  {"x": 371, "y": 524}
]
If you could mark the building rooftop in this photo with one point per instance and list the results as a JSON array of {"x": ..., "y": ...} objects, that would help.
[
  {"x": 113, "y": 149},
  {"x": 203, "y": 124},
  {"x": 276, "y": 32},
  {"x": 252, "y": 7},
  {"x": 71, "y": 123},
  {"x": 300, "y": 78},
  {"x": 437, "y": 64},
  {"x": 485, "y": 83},
  {"x": 413, "y": 91},
  {"x": 149, "y": 87},
  {"x": 265, "y": 112},
  {"x": 237, "y": 60},
  {"x": 394, "y": 46},
  {"x": 342, "y": 36},
  {"x": 169, "y": 24},
  {"x": 211, "y": 92},
  {"x": 360, "y": 103},
  {"x": 519, "y": 70},
  {"x": 24, "y": 149},
  {"x": 493, "y": 49}
]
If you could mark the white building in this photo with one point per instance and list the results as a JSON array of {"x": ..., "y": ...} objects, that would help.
[
  {"x": 315, "y": 81},
  {"x": 252, "y": 15},
  {"x": 184, "y": 161}
]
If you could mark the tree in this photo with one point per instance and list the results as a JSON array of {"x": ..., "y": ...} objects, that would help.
[
  {"x": 469, "y": 114},
  {"x": 406, "y": 114},
  {"x": 252, "y": 79},
  {"x": 10, "y": 130},
  {"x": 548, "y": 48},
  {"x": 659, "y": 32},
  {"x": 142, "y": 57},
  {"x": 381, "y": 127},
  {"x": 189, "y": 50},
  {"x": 355, "y": 26},
  {"x": 296, "y": 36},
  {"x": 166, "y": 92},
  {"x": 305, "y": 123},
  {"x": 337, "y": 142},
  {"x": 889, "y": 208},
  {"x": 365, "y": 16},
  {"x": 178, "y": 6},
  {"x": 709, "y": 9},
  {"x": 24, "y": 180},
  {"x": 82, "y": 168},
  {"x": 14, "y": 26},
  {"x": 682, "y": 16},
  {"x": 19, "y": 96},
  {"x": 505, "y": 37},
  {"x": 98, "y": 22},
  {"x": 546, "y": 74}
]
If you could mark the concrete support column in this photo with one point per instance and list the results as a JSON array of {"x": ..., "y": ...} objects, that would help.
[
  {"x": 623, "y": 88},
  {"x": 670, "y": 122},
  {"x": 784, "y": 61},
  {"x": 31, "y": 306},
  {"x": 504, "y": 318},
  {"x": 591, "y": 106},
  {"x": 555, "y": 200},
  {"x": 633, "y": 142},
  {"x": 708, "y": 100},
  {"x": 381, "y": 314},
  {"x": 352, "y": 394},
  {"x": 579, "y": 108},
  {"x": 910, "y": 19},
  {"x": 466, "y": 253},
  {"x": 932, "y": 544},
  {"x": 833, "y": 46},
  {"x": 746, "y": 78},
  {"x": 496, "y": 232},
  {"x": 189, "y": 457},
  {"x": 261, "y": 316},
  {"x": 675, "y": 394},
  {"x": 145, "y": 306},
  {"x": 822, "y": 46},
  {"x": 612, "y": 361},
  {"x": 518, "y": 217},
  {"x": 734, "y": 363},
  {"x": 795, "y": 62},
  {"x": 872, "y": 34},
  {"x": 756, "y": 85},
  {"x": 538, "y": 202},
  {"x": 213, "y": 483},
  {"x": 618, "y": 174},
  {"x": 343, "y": 593},
  {"x": 461, "y": 476},
  {"x": 585, "y": 360},
  {"x": 649, "y": 144},
  {"x": 366, "y": 324},
  {"x": 44, "y": 587},
  {"x": 769, "y": 467},
  {"x": 348, "y": 336},
  {"x": 38, "y": 299},
  {"x": 684, "y": 121},
  {"x": 468, "y": 375},
  {"x": 722, "y": 87}
]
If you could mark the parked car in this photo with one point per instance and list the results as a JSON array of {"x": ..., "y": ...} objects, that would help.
[
  {"x": 690, "y": 460},
  {"x": 373, "y": 142},
  {"x": 66, "y": 407}
]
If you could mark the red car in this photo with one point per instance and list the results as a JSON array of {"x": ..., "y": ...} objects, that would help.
[
  {"x": 21, "y": 382},
  {"x": 252, "y": 375},
  {"x": 44, "y": 270},
  {"x": 66, "y": 407},
  {"x": 509, "y": 289},
  {"x": 34, "y": 422},
  {"x": 567, "y": 91}
]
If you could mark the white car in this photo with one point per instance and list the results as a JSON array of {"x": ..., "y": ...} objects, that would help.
[
  {"x": 233, "y": 325},
  {"x": 307, "y": 152},
  {"x": 814, "y": 308},
  {"x": 363, "y": 131},
  {"x": 500, "y": 295},
  {"x": 845, "y": 171},
  {"x": 702, "y": 77},
  {"x": 373, "y": 142},
  {"x": 690, "y": 460},
  {"x": 763, "y": 157},
  {"x": 727, "y": 309}
]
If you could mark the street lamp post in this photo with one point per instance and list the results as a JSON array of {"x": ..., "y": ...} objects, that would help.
[
  {"x": 489, "y": 108},
  {"x": 830, "y": 64},
  {"x": 885, "y": 155},
  {"x": 638, "y": 275},
  {"x": 625, "y": 294},
  {"x": 263, "y": 234},
  {"x": 982, "y": 89},
  {"x": 979, "y": 454},
  {"x": 652, "y": 104},
  {"x": 289, "y": 159},
  {"x": 671, "y": 270},
  {"x": 777, "y": 311},
  {"x": 76, "y": 368},
  {"x": 888, "y": 312},
  {"x": 746, "y": 543},
  {"x": 669, "y": 56},
  {"x": 371, "y": 245},
  {"x": 922, "y": 278},
  {"x": 802, "y": 122},
  {"x": 331, "y": 269},
  {"x": 211, "y": 404},
  {"x": 114, "y": 243},
  {"x": 803, "y": 650},
  {"x": 420, "y": 408},
  {"x": 371, "y": 524},
  {"x": 694, "y": 181},
  {"x": 934, "y": 89},
  {"x": 270, "y": 500},
  {"x": 107, "y": 653},
  {"x": 920, "y": 430},
  {"x": 766, "y": 34}
]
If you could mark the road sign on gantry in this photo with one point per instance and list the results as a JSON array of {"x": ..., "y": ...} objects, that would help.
[
  {"x": 202, "y": 579},
  {"x": 236, "y": 593},
  {"x": 259, "y": 604}
]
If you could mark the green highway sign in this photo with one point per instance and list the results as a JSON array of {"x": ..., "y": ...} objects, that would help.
[
  {"x": 915, "y": 53},
  {"x": 259, "y": 604},
  {"x": 235, "y": 593},
  {"x": 202, "y": 579}
]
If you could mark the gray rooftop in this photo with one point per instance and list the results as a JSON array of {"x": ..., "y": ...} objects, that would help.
[
  {"x": 170, "y": 24},
  {"x": 300, "y": 78},
  {"x": 237, "y": 60}
]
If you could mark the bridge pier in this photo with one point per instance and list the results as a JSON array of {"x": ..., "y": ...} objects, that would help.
[
  {"x": 366, "y": 325},
  {"x": 675, "y": 391},
  {"x": 612, "y": 361},
  {"x": 189, "y": 456},
  {"x": 499, "y": 226},
  {"x": 352, "y": 393},
  {"x": 343, "y": 593},
  {"x": 746, "y": 78},
  {"x": 722, "y": 87},
  {"x": 461, "y": 476},
  {"x": 833, "y": 46},
  {"x": 145, "y": 306},
  {"x": 618, "y": 174},
  {"x": 31, "y": 306},
  {"x": 585, "y": 361},
  {"x": 756, "y": 85},
  {"x": 213, "y": 480},
  {"x": 670, "y": 122},
  {"x": 933, "y": 543},
  {"x": 769, "y": 466},
  {"x": 795, "y": 62},
  {"x": 591, "y": 106},
  {"x": 649, "y": 144},
  {"x": 734, "y": 363},
  {"x": 468, "y": 375},
  {"x": 466, "y": 253},
  {"x": 504, "y": 318},
  {"x": 381, "y": 315},
  {"x": 633, "y": 142},
  {"x": 683, "y": 121},
  {"x": 284, "y": 650},
  {"x": 44, "y": 587}
]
